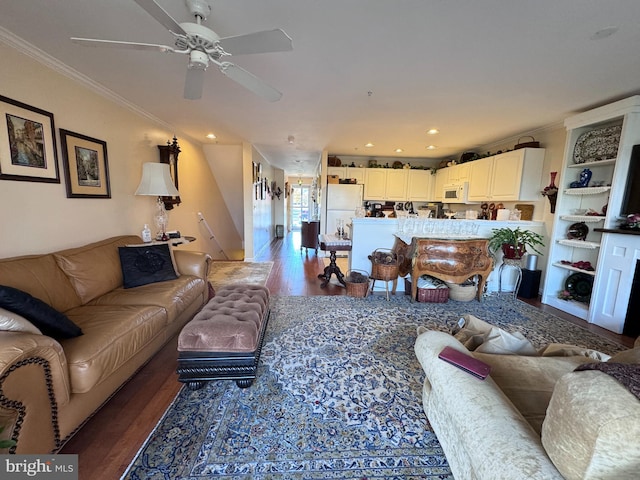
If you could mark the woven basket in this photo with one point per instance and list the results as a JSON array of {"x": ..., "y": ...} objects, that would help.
[
  {"x": 357, "y": 290},
  {"x": 462, "y": 293},
  {"x": 433, "y": 295},
  {"x": 384, "y": 265}
]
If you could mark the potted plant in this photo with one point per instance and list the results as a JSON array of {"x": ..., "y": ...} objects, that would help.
[{"x": 514, "y": 242}]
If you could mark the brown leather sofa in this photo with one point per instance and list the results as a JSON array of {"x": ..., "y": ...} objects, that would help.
[{"x": 48, "y": 387}]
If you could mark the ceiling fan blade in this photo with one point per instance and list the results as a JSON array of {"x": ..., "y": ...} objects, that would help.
[
  {"x": 159, "y": 13},
  {"x": 250, "y": 81},
  {"x": 259, "y": 42},
  {"x": 193, "y": 83},
  {"x": 92, "y": 42}
]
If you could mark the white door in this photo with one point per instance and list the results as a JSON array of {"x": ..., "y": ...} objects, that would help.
[{"x": 300, "y": 206}]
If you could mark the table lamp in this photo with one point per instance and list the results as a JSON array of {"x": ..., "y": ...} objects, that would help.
[{"x": 156, "y": 181}]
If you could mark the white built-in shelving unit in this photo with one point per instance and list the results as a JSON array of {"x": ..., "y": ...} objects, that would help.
[{"x": 606, "y": 303}]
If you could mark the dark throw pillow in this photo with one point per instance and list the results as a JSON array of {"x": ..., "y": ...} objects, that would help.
[
  {"x": 50, "y": 321},
  {"x": 146, "y": 264}
]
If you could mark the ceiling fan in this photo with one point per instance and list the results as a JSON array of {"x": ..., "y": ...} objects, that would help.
[{"x": 204, "y": 46}]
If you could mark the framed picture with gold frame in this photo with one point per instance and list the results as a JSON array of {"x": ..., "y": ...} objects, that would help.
[
  {"x": 86, "y": 168},
  {"x": 28, "y": 149}
]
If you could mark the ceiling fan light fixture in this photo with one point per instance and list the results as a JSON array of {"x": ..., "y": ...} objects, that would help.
[{"x": 198, "y": 59}]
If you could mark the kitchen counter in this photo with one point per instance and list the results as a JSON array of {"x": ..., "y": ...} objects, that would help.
[{"x": 369, "y": 234}]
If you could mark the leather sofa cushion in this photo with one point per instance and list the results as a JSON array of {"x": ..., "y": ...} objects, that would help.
[
  {"x": 112, "y": 335},
  {"x": 584, "y": 439},
  {"x": 94, "y": 269},
  {"x": 40, "y": 276},
  {"x": 528, "y": 382},
  {"x": 175, "y": 296}
]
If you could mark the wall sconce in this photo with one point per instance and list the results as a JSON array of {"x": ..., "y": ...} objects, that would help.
[
  {"x": 169, "y": 155},
  {"x": 156, "y": 181}
]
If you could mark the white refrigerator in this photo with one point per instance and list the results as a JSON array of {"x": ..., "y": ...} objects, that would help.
[{"x": 342, "y": 201}]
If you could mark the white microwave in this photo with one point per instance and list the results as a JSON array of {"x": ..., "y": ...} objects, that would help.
[{"x": 455, "y": 192}]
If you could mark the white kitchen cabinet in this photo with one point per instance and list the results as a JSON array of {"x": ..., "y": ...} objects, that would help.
[
  {"x": 517, "y": 175},
  {"x": 480, "y": 172},
  {"x": 459, "y": 173},
  {"x": 420, "y": 185},
  {"x": 396, "y": 188},
  {"x": 375, "y": 183},
  {"x": 442, "y": 178},
  {"x": 355, "y": 172},
  {"x": 347, "y": 172},
  {"x": 385, "y": 184},
  {"x": 339, "y": 171},
  {"x": 611, "y": 254},
  {"x": 509, "y": 176}
]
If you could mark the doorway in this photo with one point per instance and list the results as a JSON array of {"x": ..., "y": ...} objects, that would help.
[{"x": 300, "y": 206}]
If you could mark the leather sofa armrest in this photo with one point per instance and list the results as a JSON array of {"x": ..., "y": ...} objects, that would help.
[
  {"x": 192, "y": 263},
  {"x": 34, "y": 383}
]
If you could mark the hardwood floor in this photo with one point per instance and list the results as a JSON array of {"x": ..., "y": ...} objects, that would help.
[{"x": 110, "y": 439}]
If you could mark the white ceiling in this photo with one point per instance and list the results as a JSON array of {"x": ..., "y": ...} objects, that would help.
[{"x": 480, "y": 71}]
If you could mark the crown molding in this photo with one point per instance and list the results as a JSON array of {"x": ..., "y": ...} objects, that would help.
[{"x": 21, "y": 45}]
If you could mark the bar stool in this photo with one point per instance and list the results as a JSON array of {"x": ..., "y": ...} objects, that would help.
[{"x": 515, "y": 263}]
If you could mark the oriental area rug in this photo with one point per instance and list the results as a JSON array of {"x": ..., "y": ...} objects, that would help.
[
  {"x": 337, "y": 395},
  {"x": 226, "y": 273}
]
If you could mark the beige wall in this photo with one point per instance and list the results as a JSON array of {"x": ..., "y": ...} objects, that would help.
[{"x": 38, "y": 217}]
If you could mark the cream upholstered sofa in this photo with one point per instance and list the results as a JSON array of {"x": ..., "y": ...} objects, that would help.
[
  {"x": 48, "y": 386},
  {"x": 533, "y": 417}
]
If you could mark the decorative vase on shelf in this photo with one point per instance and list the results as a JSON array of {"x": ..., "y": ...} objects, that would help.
[{"x": 551, "y": 191}]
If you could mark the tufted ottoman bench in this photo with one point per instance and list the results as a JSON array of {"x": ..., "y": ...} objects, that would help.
[{"x": 224, "y": 339}]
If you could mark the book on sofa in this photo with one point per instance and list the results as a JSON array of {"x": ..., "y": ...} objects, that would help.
[{"x": 465, "y": 362}]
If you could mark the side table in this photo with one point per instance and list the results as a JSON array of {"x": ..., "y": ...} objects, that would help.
[{"x": 333, "y": 244}]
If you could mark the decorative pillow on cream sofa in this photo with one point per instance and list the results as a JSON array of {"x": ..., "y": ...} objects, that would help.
[
  {"x": 12, "y": 322},
  {"x": 592, "y": 428},
  {"x": 482, "y": 337},
  {"x": 627, "y": 356}
]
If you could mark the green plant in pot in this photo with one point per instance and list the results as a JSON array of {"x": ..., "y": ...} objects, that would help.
[{"x": 514, "y": 242}]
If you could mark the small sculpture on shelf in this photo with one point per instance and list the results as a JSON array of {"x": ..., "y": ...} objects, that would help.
[{"x": 585, "y": 178}]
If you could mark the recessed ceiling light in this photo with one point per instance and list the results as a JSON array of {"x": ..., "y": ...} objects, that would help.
[
  {"x": 399, "y": 150},
  {"x": 431, "y": 147},
  {"x": 369, "y": 145},
  {"x": 433, "y": 131},
  {"x": 211, "y": 136}
]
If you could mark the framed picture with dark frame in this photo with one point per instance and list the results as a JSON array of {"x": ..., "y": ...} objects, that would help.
[
  {"x": 28, "y": 149},
  {"x": 86, "y": 168}
]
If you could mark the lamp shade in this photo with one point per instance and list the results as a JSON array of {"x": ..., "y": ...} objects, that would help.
[{"x": 156, "y": 180}]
